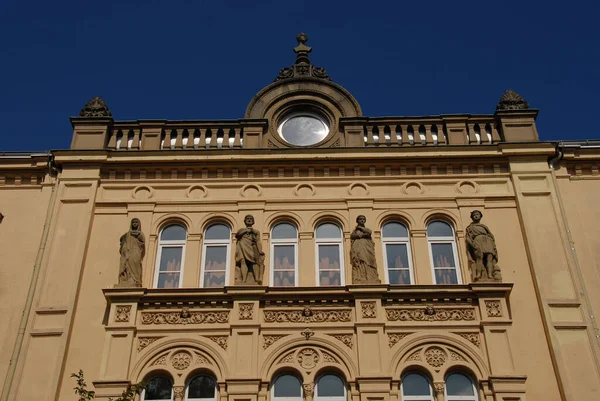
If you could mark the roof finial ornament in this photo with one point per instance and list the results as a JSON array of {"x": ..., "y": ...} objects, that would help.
[
  {"x": 302, "y": 50},
  {"x": 302, "y": 68},
  {"x": 95, "y": 108},
  {"x": 511, "y": 100}
]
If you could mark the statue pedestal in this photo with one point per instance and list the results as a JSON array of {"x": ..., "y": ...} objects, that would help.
[
  {"x": 367, "y": 282},
  {"x": 126, "y": 285}
]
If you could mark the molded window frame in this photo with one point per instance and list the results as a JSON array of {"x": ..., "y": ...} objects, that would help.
[
  {"x": 397, "y": 241},
  {"x": 330, "y": 241},
  {"x": 339, "y": 398},
  {"x": 444, "y": 240},
  {"x": 187, "y": 388},
  {"x": 162, "y": 244},
  {"x": 430, "y": 397},
  {"x": 206, "y": 243},
  {"x": 273, "y": 243},
  {"x": 273, "y": 385},
  {"x": 143, "y": 395},
  {"x": 474, "y": 397}
]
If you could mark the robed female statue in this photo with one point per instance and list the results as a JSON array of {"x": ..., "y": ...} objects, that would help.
[
  {"x": 132, "y": 249},
  {"x": 362, "y": 254}
]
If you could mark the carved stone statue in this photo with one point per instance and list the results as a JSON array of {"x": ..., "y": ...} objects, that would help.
[
  {"x": 132, "y": 249},
  {"x": 362, "y": 254},
  {"x": 249, "y": 256},
  {"x": 481, "y": 247}
]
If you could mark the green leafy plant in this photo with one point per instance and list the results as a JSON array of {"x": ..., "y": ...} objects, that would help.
[
  {"x": 86, "y": 395},
  {"x": 81, "y": 388}
]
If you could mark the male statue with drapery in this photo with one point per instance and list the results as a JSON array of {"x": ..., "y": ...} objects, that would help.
[
  {"x": 249, "y": 256},
  {"x": 132, "y": 250},
  {"x": 362, "y": 254},
  {"x": 481, "y": 247}
]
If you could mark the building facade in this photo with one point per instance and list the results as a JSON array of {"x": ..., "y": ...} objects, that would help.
[{"x": 313, "y": 308}]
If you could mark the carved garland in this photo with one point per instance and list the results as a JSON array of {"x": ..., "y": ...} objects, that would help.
[
  {"x": 143, "y": 342},
  {"x": 345, "y": 338},
  {"x": 184, "y": 317},
  {"x": 393, "y": 338},
  {"x": 220, "y": 340},
  {"x": 298, "y": 316},
  {"x": 270, "y": 339},
  {"x": 472, "y": 337},
  {"x": 422, "y": 315}
]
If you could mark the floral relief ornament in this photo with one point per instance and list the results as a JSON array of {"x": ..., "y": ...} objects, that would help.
[
  {"x": 435, "y": 356},
  {"x": 368, "y": 309},
  {"x": 493, "y": 308},
  {"x": 122, "y": 313},
  {"x": 246, "y": 311},
  {"x": 181, "y": 360}
]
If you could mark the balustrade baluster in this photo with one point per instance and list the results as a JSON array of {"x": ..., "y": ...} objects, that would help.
[
  {"x": 178, "y": 139},
  {"x": 370, "y": 139},
  {"x": 428, "y": 136},
  {"x": 237, "y": 141},
  {"x": 135, "y": 144},
  {"x": 112, "y": 142},
  {"x": 382, "y": 139},
  {"x": 405, "y": 137}
]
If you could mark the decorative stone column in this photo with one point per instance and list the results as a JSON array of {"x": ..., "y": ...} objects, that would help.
[
  {"x": 178, "y": 393},
  {"x": 308, "y": 390},
  {"x": 438, "y": 388}
]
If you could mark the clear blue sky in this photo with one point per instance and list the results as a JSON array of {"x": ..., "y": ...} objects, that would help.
[{"x": 206, "y": 59}]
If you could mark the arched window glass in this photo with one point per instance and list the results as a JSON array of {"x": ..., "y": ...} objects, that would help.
[
  {"x": 216, "y": 249},
  {"x": 158, "y": 388},
  {"x": 171, "y": 254},
  {"x": 396, "y": 249},
  {"x": 286, "y": 388},
  {"x": 329, "y": 255},
  {"x": 416, "y": 387},
  {"x": 284, "y": 255},
  {"x": 442, "y": 251},
  {"x": 201, "y": 388},
  {"x": 330, "y": 388},
  {"x": 460, "y": 387}
]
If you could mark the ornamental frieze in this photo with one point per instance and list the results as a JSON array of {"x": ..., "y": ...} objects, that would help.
[
  {"x": 185, "y": 317},
  {"x": 430, "y": 314},
  {"x": 307, "y": 315}
]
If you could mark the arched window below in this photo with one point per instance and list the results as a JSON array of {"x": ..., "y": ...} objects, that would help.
[
  {"x": 159, "y": 388},
  {"x": 170, "y": 257},
  {"x": 442, "y": 251},
  {"x": 330, "y": 388},
  {"x": 397, "y": 255},
  {"x": 329, "y": 255},
  {"x": 460, "y": 387},
  {"x": 286, "y": 388},
  {"x": 284, "y": 255},
  {"x": 416, "y": 387},
  {"x": 201, "y": 388},
  {"x": 216, "y": 249}
]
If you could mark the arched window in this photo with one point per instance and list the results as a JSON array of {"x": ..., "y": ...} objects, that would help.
[
  {"x": 158, "y": 388},
  {"x": 215, "y": 256},
  {"x": 460, "y": 387},
  {"x": 330, "y": 388},
  {"x": 286, "y": 388},
  {"x": 284, "y": 255},
  {"x": 396, "y": 249},
  {"x": 442, "y": 251},
  {"x": 171, "y": 254},
  {"x": 329, "y": 255},
  {"x": 201, "y": 388},
  {"x": 416, "y": 387}
]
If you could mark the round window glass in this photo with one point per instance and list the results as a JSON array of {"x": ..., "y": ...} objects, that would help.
[{"x": 303, "y": 129}]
